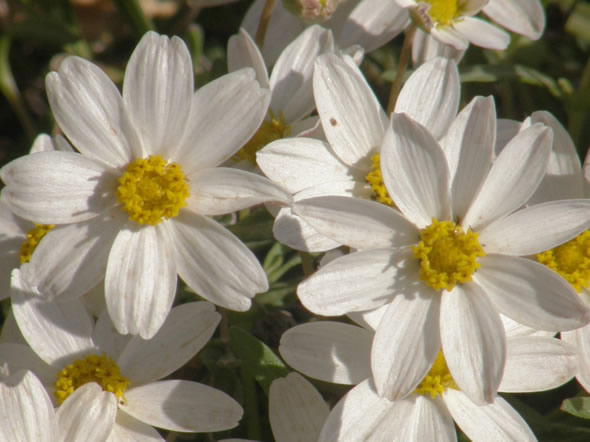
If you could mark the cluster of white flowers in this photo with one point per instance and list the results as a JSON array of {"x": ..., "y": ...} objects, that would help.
[{"x": 458, "y": 242}]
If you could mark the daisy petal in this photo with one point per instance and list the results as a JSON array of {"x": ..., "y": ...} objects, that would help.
[
  {"x": 473, "y": 341},
  {"x": 88, "y": 108},
  {"x": 242, "y": 52},
  {"x": 234, "y": 101},
  {"x": 106, "y": 337},
  {"x": 291, "y": 78},
  {"x": 406, "y": 343},
  {"x": 449, "y": 36},
  {"x": 55, "y": 330},
  {"x": 328, "y": 351},
  {"x": 360, "y": 413},
  {"x": 514, "y": 176},
  {"x": 360, "y": 281},
  {"x": 216, "y": 264},
  {"x": 415, "y": 171},
  {"x": 57, "y": 187},
  {"x": 313, "y": 160},
  {"x": 431, "y": 95},
  {"x": 296, "y": 410},
  {"x": 22, "y": 357},
  {"x": 350, "y": 112},
  {"x": 537, "y": 228},
  {"x": 72, "y": 259},
  {"x": 87, "y": 414},
  {"x": 187, "y": 329},
  {"x": 429, "y": 420},
  {"x": 525, "y": 17},
  {"x": 129, "y": 429},
  {"x": 359, "y": 224},
  {"x": 222, "y": 190},
  {"x": 531, "y": 293},
  {"x": 25, "y": 409},
  {"x": 497, "y": 421},
  {"x": 475, "y": 125},
  {"x": 182, "y": 406},
  {"x": 140, "y": 281},
  {"x": 483, "y": 34},
  {"x": 535, "y": 363},
  {"x": 157, "y": 92},
  {"x": 580, "y": 340}
]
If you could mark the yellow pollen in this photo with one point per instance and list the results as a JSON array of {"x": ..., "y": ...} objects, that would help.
[
  {"x": 375, "y": 180},
  {"x": 448, "y": 256},
  {"x": 30, "y": 244},
  {"x": 437, "y": 380},
  {"x": 151, "y": 190},
  {"x": 100, "y": 369},
  {"x": 443, "y": 12},
  {"x": 270, "y": 130},
  {"x": 571, "y": 260}
]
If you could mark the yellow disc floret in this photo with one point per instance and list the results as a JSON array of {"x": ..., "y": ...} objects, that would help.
[
  {"x": 100, "y": 369},
  {"x": 443, "y": 12},
  {"x": 437, "y": 380},
  {"x": 151, "y": 190},
  {"x": 272, "y": 129},
  {"x": 30, "y": 244},
  {"x": 571, "y": 260},
  {"x": 375, "y": 180},
  {"x": 447, "y": 254}
]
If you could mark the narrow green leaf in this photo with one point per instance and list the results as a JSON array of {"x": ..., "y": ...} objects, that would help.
[
  {"x": 131, "y": 11},
  {"x": 578, "y": 406},
  {"x": 259, "y": 360}
]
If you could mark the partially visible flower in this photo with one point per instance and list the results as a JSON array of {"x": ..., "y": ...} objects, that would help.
[
  {"x": 451, "y": 258},
  {"x": 311, "y": 10},
  {"x": 367, "y": 23},
  {"x": 27, "y": 414},
  {"x": 354, "y": 125},
  {"x": 297, "y": 411},
  {"x": 290, "y": 85},
  {"x": 452, "y": 22},
  {"x": 340, "y": 353},
  {"x": 75, "y": 351},
  {"x": 137, "y": 199}
]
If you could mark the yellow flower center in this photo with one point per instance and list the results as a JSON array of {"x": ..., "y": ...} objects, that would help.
[
  {"x": 437, "y": 380},
  {"x": 447, "y": 255},
  {"x": 30, "y": 244},
  {"x": 100, "y": 369},
  {"x": 443, "y": 12},
  {"x": 270, "y": 130},
  {"x": 375, "y": 180},
  {"x": 571, "y": 260},
  {"x": 151, "y": 190}
]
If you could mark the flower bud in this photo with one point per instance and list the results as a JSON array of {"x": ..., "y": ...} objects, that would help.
[{"x": 311, "y": 10}]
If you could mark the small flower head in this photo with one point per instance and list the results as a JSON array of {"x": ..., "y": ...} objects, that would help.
[
  {"x": 311, "y": 10},
  {"x": 375, "y": 180},
  {"x": 34, "y": 236},
  {"x": 437, "y": 380}
]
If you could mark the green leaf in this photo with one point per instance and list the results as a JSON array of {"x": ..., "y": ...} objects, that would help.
[
  {"x": 274, "y": 262},
  {"x": 259, "y": 360},
  {"x": 131, "y": 11},
  {"x": 578, "y": 406},
  {"x": 578, "y": 23}
]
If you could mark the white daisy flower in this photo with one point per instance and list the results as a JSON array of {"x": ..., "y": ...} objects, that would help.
[
  {"x": 138, "y": 197},
  {"x": 354, "y": 124},
  {"x": 27, "y": 413},
  {"x": 340, "y": 353},
  {"x": 452, "y": 22},
  {"x": 450, "y": 262},
  {"x": 290, "y": 85},
  {"x": 68, "y": 350},
  {"x": 368, "y": 23}
]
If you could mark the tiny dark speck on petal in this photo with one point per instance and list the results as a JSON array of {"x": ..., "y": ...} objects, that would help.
[{"x": 333, "y": 122}]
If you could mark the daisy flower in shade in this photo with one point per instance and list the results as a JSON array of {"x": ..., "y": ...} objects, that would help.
[
  {"x": 138, "y": 196},
  {"x": 452, "y": 22},
  {"x": 75, "y": 351},
  {"x": 448, "y": 262},
  {"x": 524, "y": 17},
  {"x": 340, "y": 353},
  {"x": 368, "y": 23},
  {"x": 27, "y": 413},
  {"x": 354, "y": 125},
  {"x": 290, "y": 85}
]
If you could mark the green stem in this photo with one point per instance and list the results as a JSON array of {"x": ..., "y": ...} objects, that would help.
[
  {"x": 250, "y": 405},
  {"x": 263, "y": 23},
  {"x": 404, "y": 58},
  {"x": 132, "y": 12},
  {"x": 306, "y": 263}
]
